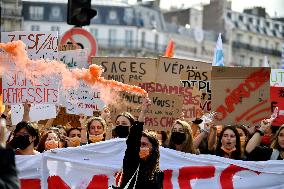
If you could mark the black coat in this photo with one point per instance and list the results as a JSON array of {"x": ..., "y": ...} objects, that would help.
[
  {"x": 8, "y": 173},
  {"x": 131, "y": 161}
]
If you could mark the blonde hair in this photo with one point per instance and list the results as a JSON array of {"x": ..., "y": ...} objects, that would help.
[{"x": 188, "y": 143}]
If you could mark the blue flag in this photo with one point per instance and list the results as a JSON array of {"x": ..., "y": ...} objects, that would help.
[{"x": 218, "y": 59}]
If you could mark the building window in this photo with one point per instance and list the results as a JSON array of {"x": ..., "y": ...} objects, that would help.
[
  {"x": 94, "y": 32},
  {"x": 250, "y": 19},
  {"x": 260, "y": 42},
  {"x": 241, "y": 17},
  {"x": 229, "y": 15},
  {"x": 276, "y": 26},
  {"x": 239, "y": 37},
  {"x": 276, "y": 46},
  {"x": 56, "y": 14},
  {"x": 54, "y": 28},
  {"x": 156, "y": 41},
  {"x": 143, "y": 36},
  {"x": 268, "y": 24},
  {"x": 112, "y": 15},
  {"x": 266, "y": 43},
  {"x": 250, "y": 39},
  {"x": 260, "y": 62},
  {"x": 251, "y": 61},
  {"x": 242, "y": 60},
  {"x": 34, "y": 28},
  {"x": 36, "y": 12},
  {"x": 111, "y": 37},
  {"x": 129, "y": 38}
]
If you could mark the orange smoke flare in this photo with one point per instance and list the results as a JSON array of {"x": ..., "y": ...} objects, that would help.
[{"x": 18, "y": 54}]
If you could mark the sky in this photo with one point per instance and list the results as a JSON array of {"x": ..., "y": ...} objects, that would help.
[{"x": 271, "y": 6}]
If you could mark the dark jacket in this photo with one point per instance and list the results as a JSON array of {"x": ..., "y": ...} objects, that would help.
[
  {"x": 8, "y": 173},
  {"x": 132, "y": 160}
]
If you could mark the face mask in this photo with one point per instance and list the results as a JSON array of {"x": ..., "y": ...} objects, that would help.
[
  {"x": 178, "y": 138},
  {"x": 74, "y": 141},
  {"x": 96, "y": 138},
  {"x": 122, "y": 131},
  {"x": 265, "y": 139},
  {"x": 228, "y": 151},
  {"x": 21, "y": 141},
  {"x": 51, "y": 144},
  {"x": 144, "y": 153}
]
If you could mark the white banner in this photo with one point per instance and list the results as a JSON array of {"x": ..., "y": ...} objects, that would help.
[
  {"x": 94, "y": 166},
  {"x": 75, "y": 58}
]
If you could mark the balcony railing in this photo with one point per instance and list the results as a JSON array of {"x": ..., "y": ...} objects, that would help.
[{"x": 239, "y": 45}]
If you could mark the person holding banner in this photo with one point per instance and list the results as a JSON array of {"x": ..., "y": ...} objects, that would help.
[
  {"x": 229, "y": 144},
  {"x": 141, "y": 159},
  {"x": 255, "y": 152},
  {"x": 93, "y": 131},
  {"x": 25, "y": 138}
]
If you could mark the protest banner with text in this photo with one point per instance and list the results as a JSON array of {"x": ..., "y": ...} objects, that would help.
[
  {"x": 128, "y": 70},
  {"x": 201, "y": 79},
  {"x": 277, "y": 77},
  {"x": 277, "y": 100},
  {"x": 240, "y": 95},
  {"x": 170, "y": 69}
]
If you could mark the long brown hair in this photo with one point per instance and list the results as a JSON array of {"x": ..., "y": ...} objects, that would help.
[
  {"x": 275, "y": 143},
  {"x": 187, "y": 145}
]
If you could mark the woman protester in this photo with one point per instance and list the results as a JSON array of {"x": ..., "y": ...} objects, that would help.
[
  {"x": 92, "y": 129},
  {"x": 255, "y": 152},
  {"x": 141, "y": 159},
  {"x": 123, "y": 123},
  {"x": 48, "y": 141},
  {"x": 73, "y": 137}
]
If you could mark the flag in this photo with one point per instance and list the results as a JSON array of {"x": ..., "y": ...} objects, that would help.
[
  {"x": 265, "y": 62},
  {"x": 218, "y": 59},
  {"x": 282, "y": 59},
  {"x": 170, "y": 49}
]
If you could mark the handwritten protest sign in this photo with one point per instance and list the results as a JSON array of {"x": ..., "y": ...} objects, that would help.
[
  {"x": 164, "y": 110},
  {"x": 191, "y": 96},
  {"x": 39, "y": 44},
  {"x": 37, "y": 112},
  {"x": 127, "y": 70},
  {"x": 240, "y": 95},
  {"x": 17, "y": 88},
  {"x": 74, "y": 58},
  {"x": 169, "y": 69},
  {"x": 277, "y": 100},
  {"x": 201, "y": 79},
  {"x": 277, "y": 77},
  {"x": 82, "y": 100}
]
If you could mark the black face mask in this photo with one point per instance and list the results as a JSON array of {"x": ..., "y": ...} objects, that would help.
[
  {"x": 178, "y": 138},
  {"x": 21, "y": 141},
  {"x": 122, "y": 131}
]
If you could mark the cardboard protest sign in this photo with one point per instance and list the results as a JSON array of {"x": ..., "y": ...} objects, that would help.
[
  {"x": 37, "y": 112},
  {"x": 277, "y": 77},
  {"x": 39, "y": 44},
  {"x": 277, "y": 100},
  {"x": 164, "y": 110},
  {"x": 127, "y": 70},
  {"x": 82, "y": 100},
  {"x": 202, "y": 80},
  {"x": 240, "y": 95},
  {"x": 191, "y": 96},
  {"x": 74, "y": 58},
  {"x": 18, "y": 87},
  {"x": 169, "y": 69}
]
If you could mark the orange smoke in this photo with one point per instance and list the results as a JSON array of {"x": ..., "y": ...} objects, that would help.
[{"x": 16, "y": 51}]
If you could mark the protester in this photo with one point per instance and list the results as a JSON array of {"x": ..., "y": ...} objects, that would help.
[
  {"x": 25, "y": 138},
  {"x": 73, "y": 137},
  {"x": 181, "y": 137},
  {"x": 255, "y": 152},
  {"x": 162, "y": 137},
  {"x": 244, "y": 137},
  {"x": 123, "y": 123},
  {"x": 229, "y": 145},
  {"x": 141, "y": 159},
  {"x": 93, "y": 130},
  {"x": 8, "y": 173},
  {"x": 48, "y": 141}
]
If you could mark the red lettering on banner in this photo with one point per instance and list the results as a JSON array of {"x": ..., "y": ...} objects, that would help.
[
  {"x": 186, "y": 174},
  {"x": 55, "y": 182},
  {"x": 251, "y": 83},
  {"x": 167, "y": 183},
  {"x": 98, "y": 182},
  {"x": 226, "y": 177},
  {"x": 30, "y": 183}
]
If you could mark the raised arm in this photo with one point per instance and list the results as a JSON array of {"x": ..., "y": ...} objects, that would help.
[{"x": 26, "y": 116}]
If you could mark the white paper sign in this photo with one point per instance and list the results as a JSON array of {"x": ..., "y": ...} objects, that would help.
[
  {"x": 18, "y": 87},
  {"x": 37, "y": 112},
  {"x": 83, "y": 100},
  {"x": 39, "y": 44},
  {"x": 277, "y": 77},
  {"x": 75, "y": 58}
]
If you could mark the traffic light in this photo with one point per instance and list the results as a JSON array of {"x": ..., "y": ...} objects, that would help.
[{"x": 79, "y": 12}]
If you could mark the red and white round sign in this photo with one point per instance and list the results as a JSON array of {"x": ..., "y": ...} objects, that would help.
[{"x": 82, "y": 38}]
